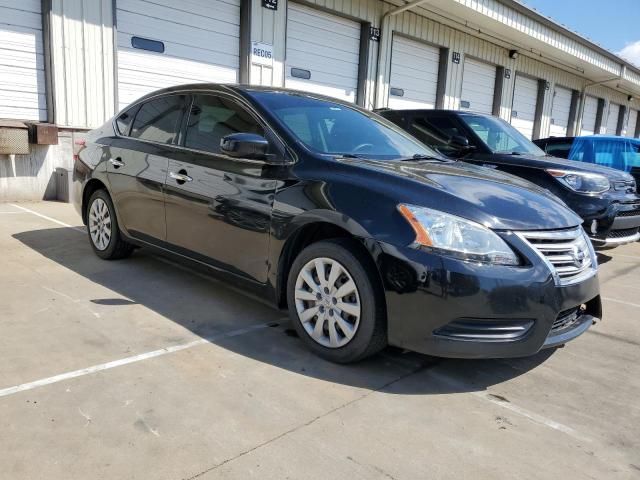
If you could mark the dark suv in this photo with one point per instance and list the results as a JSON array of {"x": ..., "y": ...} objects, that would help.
[
  {"x": 366, "y": 236},
  {"x": 605, "y": 198}
]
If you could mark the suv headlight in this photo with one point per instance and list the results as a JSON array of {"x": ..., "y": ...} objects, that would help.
[
  {"x": 583, "y": 182},
  {"x": 457, "y": 237}
]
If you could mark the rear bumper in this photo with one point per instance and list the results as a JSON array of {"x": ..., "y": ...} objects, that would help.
[{"x": 450, "y": 308}]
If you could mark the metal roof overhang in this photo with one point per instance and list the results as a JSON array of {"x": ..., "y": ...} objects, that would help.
[{"x": 603, "y": 68}]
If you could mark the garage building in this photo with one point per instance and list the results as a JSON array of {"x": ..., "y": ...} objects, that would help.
[{"x": 72, "y": 64}]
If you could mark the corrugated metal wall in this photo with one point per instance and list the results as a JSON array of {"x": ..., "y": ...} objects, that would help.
[{"x": 83, "y": 63}]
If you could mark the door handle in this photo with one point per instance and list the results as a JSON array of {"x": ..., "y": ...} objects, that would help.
[
  {"x": 116, "y": 162},
  {"x": 181, "y": 176}
]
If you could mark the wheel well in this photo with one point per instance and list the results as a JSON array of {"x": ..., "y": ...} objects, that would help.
[
  {"x": 301, "y": 239},
  {"x": 89, "y": 190}
]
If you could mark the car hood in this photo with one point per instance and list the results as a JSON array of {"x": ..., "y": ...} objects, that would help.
[
  {"x": 495, "y": 199},
  {"x": 544, "y": 163}
]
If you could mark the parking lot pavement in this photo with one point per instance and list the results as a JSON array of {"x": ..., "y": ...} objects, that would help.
[{"x": 144, "y": 369}]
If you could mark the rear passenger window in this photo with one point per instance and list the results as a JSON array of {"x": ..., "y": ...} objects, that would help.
[
  {"x": 213, "y": 118},
  {"x": 159, "y": 120},
  {"x": 124, "y": 120},
  {"x": 560, "y": 150}
]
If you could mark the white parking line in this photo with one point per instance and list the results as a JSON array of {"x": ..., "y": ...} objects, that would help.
[
  {"x": 507, "y": 404},
  {"x": 126, "y": 361},
  {"x": 615, "y": 300},
  {"x": 48, "y": 218}
]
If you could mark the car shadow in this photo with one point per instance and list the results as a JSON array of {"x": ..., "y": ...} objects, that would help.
[
  {"x": 208, "y": 308},
  {"x": 603, "y": 258}
]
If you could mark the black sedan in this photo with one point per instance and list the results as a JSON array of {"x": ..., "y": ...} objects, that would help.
[
  {"x": 366, "y": 236},
  {"x": 605, "y": 198}
]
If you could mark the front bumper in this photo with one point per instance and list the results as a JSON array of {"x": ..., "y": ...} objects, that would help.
[
  {"x": 450, "y": 308},
  {"x": 613, "y": 224}
]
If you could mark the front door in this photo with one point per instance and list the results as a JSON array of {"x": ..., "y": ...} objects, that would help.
[{"x": 218, "y": 208}]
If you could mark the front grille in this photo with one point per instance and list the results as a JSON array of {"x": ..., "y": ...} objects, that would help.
[
  {"x": 629, "y": 213},
  {"x": 567, "y": 319},
  {"x": 625, "y": 232},
  {"x": 567, "y": 252}
]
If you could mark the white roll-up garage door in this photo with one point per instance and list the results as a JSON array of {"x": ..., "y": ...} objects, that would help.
[
  {"x": 523, "y": 111},
  {"x": 632, "y": 123},
  {"x": 589, "y": 116},
  {"x": 478, "y": 86},
  {"x": 322, "y": 53},
  {"x": 175, "y": 42},
  {"x": 560, "y": 112},
  {"x": 414, "y": 74},
  {"x": 22, "y": 80},
  {"x": 612, "y": 119}
]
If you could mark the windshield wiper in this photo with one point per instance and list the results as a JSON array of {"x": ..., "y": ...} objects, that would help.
[
  {"x": 346, "y": 155},
  {"x": 420, "y": 156}
]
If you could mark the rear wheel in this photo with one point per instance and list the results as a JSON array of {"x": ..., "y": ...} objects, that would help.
[
  {"x": 335, "y": 302},
  {"x": 102, "y": 226}
]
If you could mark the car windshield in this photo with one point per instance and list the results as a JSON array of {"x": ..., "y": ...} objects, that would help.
[
  {"x": 619, "y": 153},
  {"x": 336, "y": 129},
  {"x": 500, "y": 137}
]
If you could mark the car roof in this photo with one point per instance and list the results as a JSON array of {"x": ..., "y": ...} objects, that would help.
[
  {"x": 236, "y": 88},
  {"x": 589, "y": 137}
]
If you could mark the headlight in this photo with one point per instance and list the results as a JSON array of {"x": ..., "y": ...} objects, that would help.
[
  {"x": 582, "y": 182},
  {"x": 457, "y": 237}
]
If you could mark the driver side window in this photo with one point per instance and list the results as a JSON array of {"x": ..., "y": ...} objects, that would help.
[
  {"x": 436, "y": 133},
  {"x": 212, "y": 118}
]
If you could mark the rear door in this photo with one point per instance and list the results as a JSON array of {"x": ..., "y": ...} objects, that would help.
[
  {"x": 612, "y": 119},
  {"x": 138, "y": 161},
  {"x": 414, "y": 74},
  {"x": 560, "y": 111},
  {"x": 322, "y": 52},
  {"x": 590, "y": 116},
  {"x": 161, "y": 43},
  {"x": 523, "y": 111},
  {"x": 218, "y": 208},
  {"x": 632, "y": 124},
  {"x": 478, "y": 86}
]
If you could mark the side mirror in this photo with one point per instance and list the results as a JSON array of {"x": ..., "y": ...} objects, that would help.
[
  {"x": 245, "y": 145},
  {"x": 459, "y": 141}
]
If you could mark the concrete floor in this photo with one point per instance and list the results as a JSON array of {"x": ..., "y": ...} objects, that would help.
[{"x": 144, "y": 369}]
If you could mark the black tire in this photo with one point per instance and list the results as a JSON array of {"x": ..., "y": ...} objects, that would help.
[
  {"x": 371, "y": 334},
  {"x": 117, "y": 247}
]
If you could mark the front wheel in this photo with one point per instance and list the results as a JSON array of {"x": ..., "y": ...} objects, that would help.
[
  {"x": 102, "y": 226},
  {"x": 335, "y": 301}
]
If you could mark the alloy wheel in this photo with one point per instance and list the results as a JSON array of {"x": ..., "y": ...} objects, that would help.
[
  {"x": 327, "y": 302},
  {"x": 100, "y": 224}
]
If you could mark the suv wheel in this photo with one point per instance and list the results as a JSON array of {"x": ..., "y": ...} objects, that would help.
[
  {"x": 102, "y": 226},
  {"x": 335, "y": 301}
]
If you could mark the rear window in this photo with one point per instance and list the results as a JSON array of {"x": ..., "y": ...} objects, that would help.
[{"x": 159, "y": 119}]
